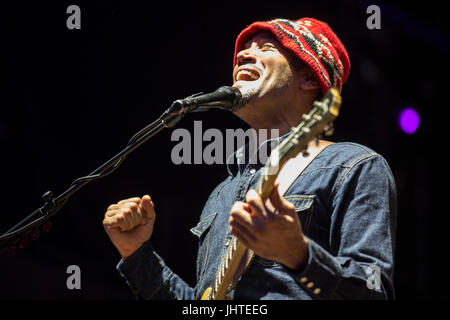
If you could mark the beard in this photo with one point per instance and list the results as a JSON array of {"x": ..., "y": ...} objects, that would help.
[
  {"x": 247, "y": 95},
  {"x": 250, "y": 90}
]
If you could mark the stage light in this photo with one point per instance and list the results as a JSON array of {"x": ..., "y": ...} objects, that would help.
[{"x": 409, "y": 120}]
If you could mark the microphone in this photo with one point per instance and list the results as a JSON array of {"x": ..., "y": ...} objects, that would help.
[{"x": 225, "y": 98}]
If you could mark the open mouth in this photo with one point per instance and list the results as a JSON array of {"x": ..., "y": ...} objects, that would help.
[{"x": 247, "y": 75}]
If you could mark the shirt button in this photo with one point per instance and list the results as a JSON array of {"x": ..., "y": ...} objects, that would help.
[
  {"x": 303, "y": 279},
  {"x": 316, "y": 291},
  {"x": 252, "y": 170},
  {"x": 310, "y": 285},
  {"x": 227, "y": 242}
]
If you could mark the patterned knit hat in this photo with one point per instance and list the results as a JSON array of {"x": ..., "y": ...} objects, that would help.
[{"x": 312, "y": 41}]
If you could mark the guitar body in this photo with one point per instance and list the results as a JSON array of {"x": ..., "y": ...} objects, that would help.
[{"x": 207, "y": 294}]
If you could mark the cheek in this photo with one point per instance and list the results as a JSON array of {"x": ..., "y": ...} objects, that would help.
[
  {"x": 280, "y": 76},
  {"x": 278, "y": 68}
]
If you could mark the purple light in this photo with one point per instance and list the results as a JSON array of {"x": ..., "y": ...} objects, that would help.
[{"x": 409, "y": 120}]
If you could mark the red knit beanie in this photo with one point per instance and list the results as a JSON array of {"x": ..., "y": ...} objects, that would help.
[{"x": 312, "y": 41}]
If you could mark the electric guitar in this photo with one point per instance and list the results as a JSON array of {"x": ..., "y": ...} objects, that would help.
[{"x": 318, "y": 121}]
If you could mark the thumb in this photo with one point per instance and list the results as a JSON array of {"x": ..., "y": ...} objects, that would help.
[
  {"x": 148, "y": 206},
  {"x": 280, "y": 203}
]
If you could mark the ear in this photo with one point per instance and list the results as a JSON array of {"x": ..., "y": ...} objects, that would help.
[{"x": 307, "y": 80}]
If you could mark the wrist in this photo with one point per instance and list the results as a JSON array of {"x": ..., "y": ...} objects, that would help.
[
  {"x": 299, "y": 260},
  {"x": 126, "y": 252}
]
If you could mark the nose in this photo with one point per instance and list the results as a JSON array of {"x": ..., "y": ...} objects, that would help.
[{"x": 247, "y": 55}]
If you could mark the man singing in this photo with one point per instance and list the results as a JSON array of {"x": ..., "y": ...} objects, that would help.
[{"x": 330, "y": 236}]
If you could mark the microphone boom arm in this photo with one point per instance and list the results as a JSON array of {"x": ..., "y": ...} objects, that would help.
[{"x": 52, "y": 205}]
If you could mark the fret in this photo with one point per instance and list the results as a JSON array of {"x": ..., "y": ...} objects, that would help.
[{"x": 216, "y": 287}]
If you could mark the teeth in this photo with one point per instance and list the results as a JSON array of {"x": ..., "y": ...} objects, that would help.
[{"x": 246, "y": 72}]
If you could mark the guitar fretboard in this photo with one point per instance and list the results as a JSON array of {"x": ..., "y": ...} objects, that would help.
[{"x": 224, "y": 264}]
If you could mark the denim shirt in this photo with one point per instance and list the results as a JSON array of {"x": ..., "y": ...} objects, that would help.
[{"x": 346, "y": 202}]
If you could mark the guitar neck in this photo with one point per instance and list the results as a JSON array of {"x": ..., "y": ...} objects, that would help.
[
  {"x": 227, "y": 269},
  {"x": 234, "y": 255}
]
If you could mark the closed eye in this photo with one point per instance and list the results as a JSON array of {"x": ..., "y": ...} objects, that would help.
[{"x": 268, "y": 46}]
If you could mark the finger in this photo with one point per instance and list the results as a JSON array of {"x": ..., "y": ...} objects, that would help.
[
  {"x": 240, "y": 207},
  {"x": 134, "y": 199},
  {"x": 116, "y": 208},
  {"x": 135, "y": 214},
  {"x": 148, "y": 207},
  {"x": 111, "y": 213},
  {"x": 246, "y": 238},
  {"x": 256, "y": 203},
  {"x": 243, "y": 219},
  {"x": 114, "y": 222},
  {"x": 279, "y": 202},
  {"x": 126, "y": 218},
  {"x": 237, "y": 206},
  {"x": 107, "y": 223},
  {"x": 113, "y": 207},
  {"x": 132, "y": 214}
]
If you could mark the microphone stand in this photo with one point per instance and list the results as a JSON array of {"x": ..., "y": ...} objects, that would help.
[{"x": 39, "y": 217}]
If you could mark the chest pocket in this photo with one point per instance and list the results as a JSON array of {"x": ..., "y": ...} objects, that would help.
[
  {"x": 203, "y": 225},
  {"x": 201, "y": 230},
  {"x": 304, "y": 206}
]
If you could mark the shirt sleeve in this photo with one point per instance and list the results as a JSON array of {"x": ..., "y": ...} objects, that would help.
[
  {"x": 149, "y": 278},
  {"x": 359, "y": 264}
]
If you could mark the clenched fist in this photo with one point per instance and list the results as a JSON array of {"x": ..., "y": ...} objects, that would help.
[{"x": 129, "y": 223}]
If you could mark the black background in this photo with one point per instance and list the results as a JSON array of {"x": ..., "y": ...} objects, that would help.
[{"x": 73, "y": 98}]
